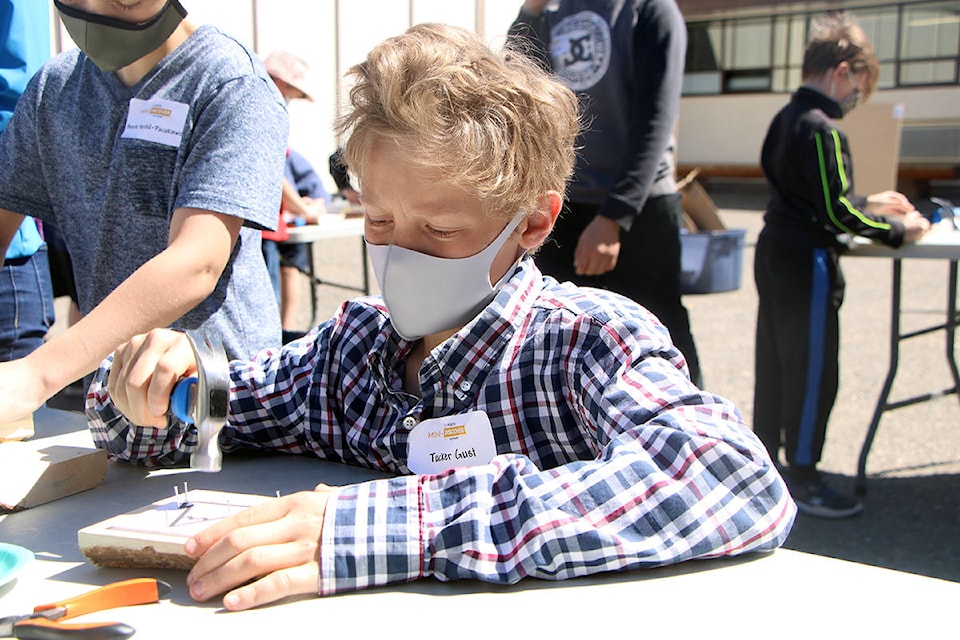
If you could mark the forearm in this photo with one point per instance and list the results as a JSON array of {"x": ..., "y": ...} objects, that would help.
[
  {"x": 292, "y": 202},
  {"x": 659, "y": 57},
  {"x": 9, "y": 223},
  {"x": 268, "y": 410},
  {"x": 508, "y": 520},
  {"x": 841, "y": 209},
  {"x": 155, "y": 295},
  {"x": 123, "y": 440}
]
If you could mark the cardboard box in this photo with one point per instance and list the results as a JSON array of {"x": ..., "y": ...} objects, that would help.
[
  {"x": 700, "y": 212},
  {"x": 711, "y": 261}
]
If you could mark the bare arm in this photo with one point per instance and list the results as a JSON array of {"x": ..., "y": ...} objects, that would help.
[
  {"x": 155, "y": 295},
  {"x": 307, "y": 208},
  {"x": 9, "y": 223},
  {"x": 535, "y": 6}
]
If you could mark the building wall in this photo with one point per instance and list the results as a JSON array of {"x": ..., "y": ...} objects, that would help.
[{"x": 729, "y": 129}]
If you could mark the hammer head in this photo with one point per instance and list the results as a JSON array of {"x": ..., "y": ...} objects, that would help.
[{"x": 210, "y": 401}]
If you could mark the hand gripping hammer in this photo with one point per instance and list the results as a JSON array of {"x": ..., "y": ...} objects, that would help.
[{"x": 202, "y": 400}]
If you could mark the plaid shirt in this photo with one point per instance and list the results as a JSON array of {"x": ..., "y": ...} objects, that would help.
[{"x": 609, "y": 458}]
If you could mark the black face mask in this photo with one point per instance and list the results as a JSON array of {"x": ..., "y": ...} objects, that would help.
[{"x": 112, "y": 44}]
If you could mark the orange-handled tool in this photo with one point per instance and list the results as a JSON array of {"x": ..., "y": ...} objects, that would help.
[{"x": 46, "y": 621}]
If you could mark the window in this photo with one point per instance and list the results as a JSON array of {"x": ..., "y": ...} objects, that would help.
[
  {"x": 917, "y": 43},
  {"x": 929, "y": 45}
]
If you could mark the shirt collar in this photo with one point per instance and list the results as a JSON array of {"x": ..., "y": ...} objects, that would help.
[
  {"x": 467, "y": 357},
  {"x": 818, "y": 100}
]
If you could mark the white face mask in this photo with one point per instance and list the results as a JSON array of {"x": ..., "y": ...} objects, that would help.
[{"x": 425, "y": 294}]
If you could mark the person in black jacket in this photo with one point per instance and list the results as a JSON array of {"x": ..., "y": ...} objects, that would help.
[{"x": 811, "y": 215}]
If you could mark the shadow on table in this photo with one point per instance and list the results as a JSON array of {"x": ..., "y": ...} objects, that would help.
[{"x": 909, "y": 524}]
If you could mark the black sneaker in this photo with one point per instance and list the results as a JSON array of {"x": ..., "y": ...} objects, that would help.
[{"x": 816, "y": 498}]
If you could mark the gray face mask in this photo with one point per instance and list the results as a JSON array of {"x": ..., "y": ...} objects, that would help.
[
  {"x": 849, "y": 103},
  {"x": 425, "y": 294},
  {"x": 112, "y": 44}
]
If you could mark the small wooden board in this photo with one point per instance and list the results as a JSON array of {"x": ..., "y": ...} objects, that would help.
[
  {"x": 152, "y": 537},
  {"x": 40, "y": 471}
]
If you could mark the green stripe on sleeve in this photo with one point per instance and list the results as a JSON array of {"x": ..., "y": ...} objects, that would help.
[{"x": 844, "y": 185}]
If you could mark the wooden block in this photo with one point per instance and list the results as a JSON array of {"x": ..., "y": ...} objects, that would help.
[
  {"x": 152, "y": 537},
  {"x": 17, "y": 430},
  {"x": 40, "y": 471}
]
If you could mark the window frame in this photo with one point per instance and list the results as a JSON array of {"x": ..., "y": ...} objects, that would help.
[{"x": 782, "y": 70}]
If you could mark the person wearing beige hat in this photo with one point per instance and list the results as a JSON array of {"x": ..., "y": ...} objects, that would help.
[
  {"x": 304, "y": 199},
  {"x": 291, "y": 74}
]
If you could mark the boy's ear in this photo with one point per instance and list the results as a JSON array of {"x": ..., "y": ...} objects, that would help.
[
  {"x": 540, "y": 222},
  {"x": 841, "y": 70}
]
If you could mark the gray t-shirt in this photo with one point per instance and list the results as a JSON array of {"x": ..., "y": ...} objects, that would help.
[{"x": 108, "y": 165}]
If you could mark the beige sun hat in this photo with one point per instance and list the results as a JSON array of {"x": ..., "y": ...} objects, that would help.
[{"x": 287, "y": 67}]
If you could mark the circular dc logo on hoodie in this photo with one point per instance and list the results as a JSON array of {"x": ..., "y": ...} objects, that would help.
[{"x": 580, "y": 48}]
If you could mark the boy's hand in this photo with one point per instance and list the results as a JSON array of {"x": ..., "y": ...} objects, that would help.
[
  {"x": 888, "y": 203},
  {"x": 915, "y": 225},
  {"x": 598, "y": 248},
  {"x": 144, "y": 372},
  {"x": 275, "y": 544},
  {"x": 22, "y": 388},
  {"x": 535, "y": 6}
]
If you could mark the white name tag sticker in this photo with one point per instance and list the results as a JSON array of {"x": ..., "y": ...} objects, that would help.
[
  {"x": 156, "y": 120},
  {"x": 440, "y": 444}
]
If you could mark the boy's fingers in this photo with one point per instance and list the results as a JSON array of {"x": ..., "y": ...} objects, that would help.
[
  {"x": 295, "y": 580},
  {"x": 252, "y": 563},
  {"x": 269, "y": 511}
]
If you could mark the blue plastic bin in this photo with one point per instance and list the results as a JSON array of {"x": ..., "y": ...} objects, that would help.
[{"x": 711, "y": 261}]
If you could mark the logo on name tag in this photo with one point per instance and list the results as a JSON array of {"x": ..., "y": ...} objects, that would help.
[{"x": 159, "y": 121}]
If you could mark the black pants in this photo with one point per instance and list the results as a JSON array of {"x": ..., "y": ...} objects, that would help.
[
  {"x": 648, "y": 270},
  {"x": 800, "y": 288}
]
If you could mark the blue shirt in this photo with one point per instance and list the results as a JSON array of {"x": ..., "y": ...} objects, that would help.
[
  {"x": 609, "y": 458},
  {"x": 25, "y": 47}
]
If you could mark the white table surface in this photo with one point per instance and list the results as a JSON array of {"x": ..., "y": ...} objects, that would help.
[
  {"x": 785, "y": 594},
  {"x": 329, "y": 226},
  {"x": 941, "y": 242}
]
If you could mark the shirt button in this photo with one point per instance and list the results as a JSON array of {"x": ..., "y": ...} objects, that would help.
[
  {"x": 409, "y": 422},
  {"x": 465, "y": 386}
]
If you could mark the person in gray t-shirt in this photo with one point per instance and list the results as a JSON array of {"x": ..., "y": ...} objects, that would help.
[{"x": 157, "y": 150}]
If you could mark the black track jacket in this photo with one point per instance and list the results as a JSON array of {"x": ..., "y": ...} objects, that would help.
[{"x": 806, "y": 160}]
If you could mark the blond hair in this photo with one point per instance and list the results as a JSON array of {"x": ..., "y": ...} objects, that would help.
[
  {"x": 493, "y": 124},
  {"x": 835, "y": 38}
]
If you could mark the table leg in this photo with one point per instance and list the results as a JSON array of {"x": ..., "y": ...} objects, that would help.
[
  {"x": 366, "y": 268},
  {"x": 861, "y": 482},
  {"x": 313, "y": 287},
  {"x": 951, "y": 325}
]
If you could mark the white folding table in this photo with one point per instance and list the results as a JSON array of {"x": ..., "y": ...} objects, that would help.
[{"x": 940, "y": 243}]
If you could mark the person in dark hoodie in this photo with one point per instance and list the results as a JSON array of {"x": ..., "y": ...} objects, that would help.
[
  {"x": 620, "y": 228},
  {"x": 812, "y": 215}
]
